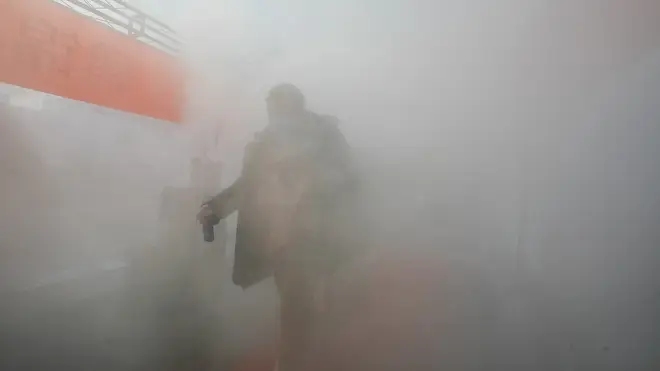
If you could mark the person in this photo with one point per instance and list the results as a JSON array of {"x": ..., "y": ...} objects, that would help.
[{"x": 295, "y": 181}]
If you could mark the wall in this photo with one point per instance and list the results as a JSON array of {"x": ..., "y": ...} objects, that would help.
[
  {"x": 81, "y": 192},
  {"x": 47, "y": 47}
]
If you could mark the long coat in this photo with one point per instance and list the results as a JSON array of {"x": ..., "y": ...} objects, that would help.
[{"x": 292, "y": 185}]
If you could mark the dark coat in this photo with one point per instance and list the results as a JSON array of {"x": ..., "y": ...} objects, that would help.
[{"x": 315, "y": 149}]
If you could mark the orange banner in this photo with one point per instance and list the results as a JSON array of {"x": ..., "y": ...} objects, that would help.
[{"x": 46, "y": 47}]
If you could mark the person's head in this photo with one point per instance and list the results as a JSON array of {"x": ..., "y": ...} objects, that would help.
[{"x": 285, "y": 100}]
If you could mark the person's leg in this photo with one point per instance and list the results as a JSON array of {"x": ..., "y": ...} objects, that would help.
[{"x": 297, "y": 316}]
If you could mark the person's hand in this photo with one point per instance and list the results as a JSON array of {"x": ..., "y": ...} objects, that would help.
[{"x": 205, "y": 214}]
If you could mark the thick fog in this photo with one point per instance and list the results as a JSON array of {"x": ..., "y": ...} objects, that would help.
[{"x": 518, "y": 138}]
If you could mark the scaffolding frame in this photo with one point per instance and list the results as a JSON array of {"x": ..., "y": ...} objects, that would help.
[{"x": 129, "y": 20}]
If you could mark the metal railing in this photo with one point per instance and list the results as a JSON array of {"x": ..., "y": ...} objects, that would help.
[{"x": 125, "y": 18}]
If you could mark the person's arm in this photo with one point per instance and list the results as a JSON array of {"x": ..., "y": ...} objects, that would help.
[{"x": 226, "y": 202}]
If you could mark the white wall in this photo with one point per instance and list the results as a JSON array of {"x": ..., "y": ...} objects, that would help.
[{"x": 100, "y": 174}]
